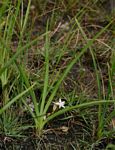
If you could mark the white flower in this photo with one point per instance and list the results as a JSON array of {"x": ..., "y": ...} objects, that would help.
[
  {"x": 44, "y": 117},
  {"x": 31, "y": 107},
  {"x": 60, "y": 103}
]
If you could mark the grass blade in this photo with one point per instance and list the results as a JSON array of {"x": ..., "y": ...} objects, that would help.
[{"x": 71, "y": 65}]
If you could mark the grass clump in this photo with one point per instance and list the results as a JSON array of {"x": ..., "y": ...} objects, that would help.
[{"x": 37, "y": 91}]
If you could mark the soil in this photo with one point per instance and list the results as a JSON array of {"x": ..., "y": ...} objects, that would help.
[
  {"x": 60, "y": 135},
  {"x": 77, "y": 132}
]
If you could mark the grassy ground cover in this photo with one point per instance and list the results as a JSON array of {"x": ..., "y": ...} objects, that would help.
[{"x": 57, "y": 75}]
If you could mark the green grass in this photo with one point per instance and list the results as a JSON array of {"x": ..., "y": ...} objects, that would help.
[{"x": 57, "y": 52}]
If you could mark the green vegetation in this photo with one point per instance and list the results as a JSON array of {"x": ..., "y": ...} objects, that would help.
[{"x": 57, "y": 68}]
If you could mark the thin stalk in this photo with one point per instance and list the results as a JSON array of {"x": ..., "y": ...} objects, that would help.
[
  {"x": 44, "y": 94},
  {"x": 26, "y": 18}
]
